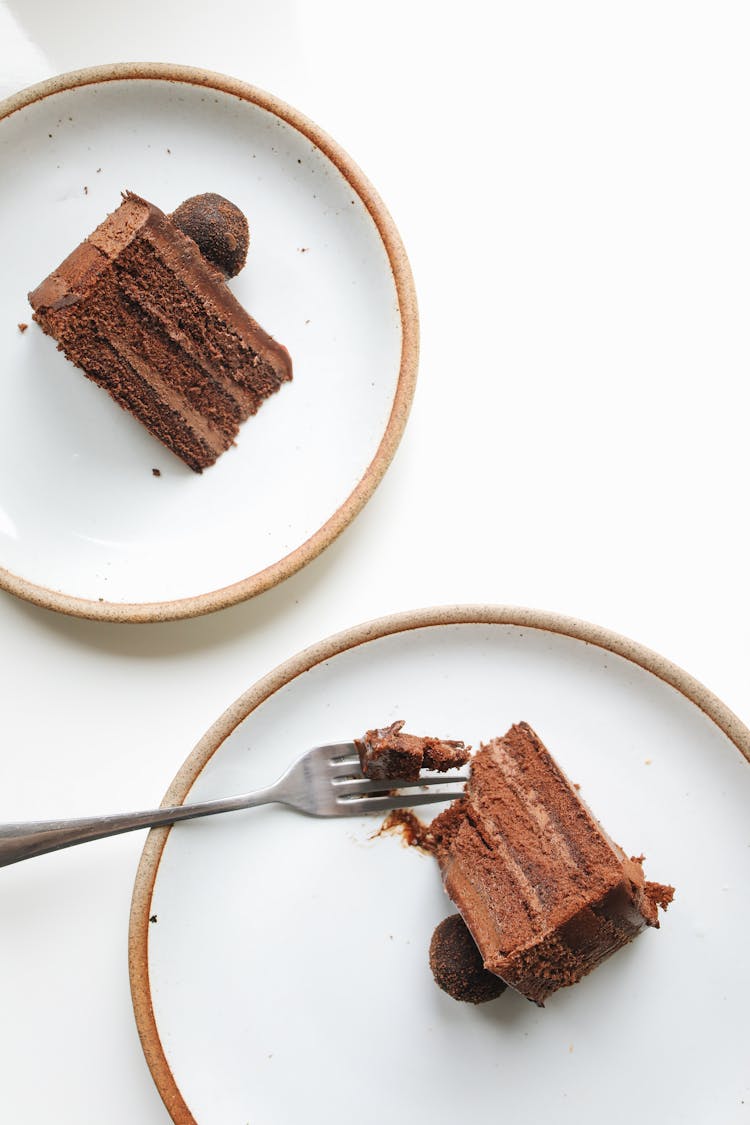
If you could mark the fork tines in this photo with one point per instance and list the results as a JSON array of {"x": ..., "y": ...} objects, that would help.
[
  {"x": 365, "y": 795},
  {"x": 359, "y": 786}
]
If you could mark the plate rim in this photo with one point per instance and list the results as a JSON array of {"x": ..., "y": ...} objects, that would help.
[
  {"x": 198, "y": 604},
  {"x": 542, "y": 620}
]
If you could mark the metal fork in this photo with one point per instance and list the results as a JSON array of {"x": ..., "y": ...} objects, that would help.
[{"x": 326, "y": 781}]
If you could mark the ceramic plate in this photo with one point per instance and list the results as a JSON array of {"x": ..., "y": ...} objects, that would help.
[
  {"x": 85, "y": 525},
  {"x": 279, "y": 963}
]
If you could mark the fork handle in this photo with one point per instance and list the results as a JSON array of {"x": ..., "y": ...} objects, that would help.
[{"x": 36, "y": 837}]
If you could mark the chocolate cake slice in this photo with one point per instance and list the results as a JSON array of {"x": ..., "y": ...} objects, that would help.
[
  {"x": 147, "y": 316},
  {"x": 387, "y": 753},
  {"x": 544, "y": 891}
]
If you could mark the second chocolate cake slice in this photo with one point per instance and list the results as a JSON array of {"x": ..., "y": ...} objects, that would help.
[{"x": 546, "y": 894}]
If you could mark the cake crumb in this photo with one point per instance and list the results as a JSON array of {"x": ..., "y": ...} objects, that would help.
[
  {"x": 153, "y": 918},
  {"x": 303, "y": 249},
  {"x": 576, "y": 785},
  {"x": 156, "y": 472},
  {"x": 98, "y": 170},
  {"x": 660, "y": 893},
  {"x": 85, "y": 190},
  {"x": 414, "y": 832},
  {"x": 570, "y": 1049},
  {"x": 647, "y": 761},
  {"x": 169, "y": 152},
  {"x": 22, "y": 327}
]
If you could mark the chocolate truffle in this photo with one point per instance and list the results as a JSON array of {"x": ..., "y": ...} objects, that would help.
[
  {"x": 219, "y": 229},
  {"x": 387, "y": 753},
  {"x": 457, "y": 966}
]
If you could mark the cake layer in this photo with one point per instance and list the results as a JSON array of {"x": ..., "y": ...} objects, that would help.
[
  {"x": 202, "y": 304},
  {"x": 142, "y": 278},
  {"x": 546, "y": 894},
  {"x": 138, "y": 308},
  {"x": 111, "y": 341},
  {"x": 112, "y": 371}
]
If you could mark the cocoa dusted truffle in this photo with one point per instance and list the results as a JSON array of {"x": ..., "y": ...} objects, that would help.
[
  {"x": 387, "y": 753},
  {"x": 457, "y": 965},
  {"x": 219, "y": 229}
]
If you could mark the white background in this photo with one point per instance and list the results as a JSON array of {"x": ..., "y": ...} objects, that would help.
[{"x": 571, "y": 183}]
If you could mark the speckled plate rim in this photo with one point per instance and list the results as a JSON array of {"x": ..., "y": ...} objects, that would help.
[
  {"x": 725, "y": 719},
  {"x": 283, "y": 568}
]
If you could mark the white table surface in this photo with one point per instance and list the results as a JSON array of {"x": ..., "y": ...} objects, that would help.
[{"x": 571, "y": 183}]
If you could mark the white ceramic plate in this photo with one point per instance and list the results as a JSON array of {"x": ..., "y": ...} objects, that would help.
[
  {"x": 85, "y": 525},
  {"x": 284, "y": 974}
]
